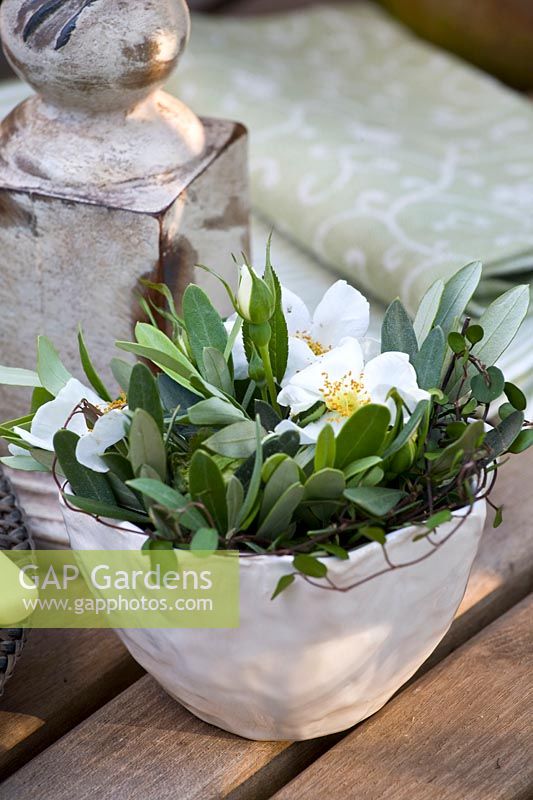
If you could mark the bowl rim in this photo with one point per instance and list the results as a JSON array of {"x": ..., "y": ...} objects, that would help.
[{"x": 394, "y": 537}]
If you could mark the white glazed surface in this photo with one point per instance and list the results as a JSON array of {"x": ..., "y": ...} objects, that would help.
[{"x": 311, "y": 662}]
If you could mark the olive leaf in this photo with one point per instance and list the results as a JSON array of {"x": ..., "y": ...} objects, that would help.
[
  {"x": 143, "y": 393},
  {"x": 235, "y": 441},
  {"x": 203, "y": 323},
  {"x": 375, "y": 500},
  {"x": 146, "y": 444},
  {"x": 458, "y": 292},
  {"x": 427, "y": 311},
  {"x": 397, "y": 332},
  {"x": 53, "y": 376}
]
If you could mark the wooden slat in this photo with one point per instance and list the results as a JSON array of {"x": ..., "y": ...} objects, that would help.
[
  {"x": 463, "y": 731},
  {"x": 61, "y": 678},
  {"x": 144, "y": 742}
]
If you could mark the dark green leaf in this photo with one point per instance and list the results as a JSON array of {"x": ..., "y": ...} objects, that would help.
[
  {"x": 523, "y": 441},
  {"x": 456, "y": 342},
  {"x": 475, "y": 334},
  {"x": 203, "y": 323},
  {"x": 397, "y": 332},
  {"x": 375, "y": 534},
  {"x": 498, "y": 517},
  {"x": 429, "y": 360},
  {"x": 106, "y": 511},
  {"x": 286, "y": 474},
  {"x": 456, "y": 429},
  {"x": 252, "y": 482},
  {"x": 119, "y": 466},
  {"x": 505, "y": 410},
  {"x": 335, "y": 550},
  {"x": 283, "y": 583},
  {"x": 234, "y": 499},
  {"x": 143, "y": 393},
  {"x": 488, "y": 390},
  {"x": 173, "y": 395},
  {"x": 440, "y": 518},
  {"x": 362, "y": 434},
  {"x": 326, "y": 484},
  {"x": 326, "y": 448},
  {"x": 360, "y": 466},
  {"x": 146, "y": 444},
  {"x": 287, "y": 443},
  {"x": 502, "y": 437},
  {"x": 462, "y": 449},
  {"x": 279, "y": 517},
  {"x": 84, "y": 482},
  {"x": 91, "y": 373},
  {"x": 267, "y": 415},
  {"x": 409, "y": 428},
  {"x": 279, "y": 341},
  {"x": 310, "y": 566},
  {"x": 375, "y": 500},
  {"x": 124, "y": 496},
  {"x": 515, "y": 396},
  {"x": 164, "y": 495},
  {"x": 206, "y": 485},
  {"x": 39, "y": 397}
]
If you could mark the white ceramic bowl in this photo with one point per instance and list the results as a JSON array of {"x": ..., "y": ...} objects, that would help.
[{"x": 311, "y": 662}]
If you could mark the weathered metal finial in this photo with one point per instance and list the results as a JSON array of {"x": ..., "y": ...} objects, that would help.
[{"x": 104, "y": 177}]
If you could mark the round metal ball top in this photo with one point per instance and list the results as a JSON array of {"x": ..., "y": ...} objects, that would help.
[{"x": 94, "y": 54}]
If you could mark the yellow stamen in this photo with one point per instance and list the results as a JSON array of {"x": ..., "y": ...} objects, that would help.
[
  {"x": 120, "y": 402},
  {"x": 345, "y": 396},
  {"x": 317, "y": 348}
]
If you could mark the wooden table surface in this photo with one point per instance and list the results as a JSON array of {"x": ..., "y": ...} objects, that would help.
[{"x": 80, "y": 720}]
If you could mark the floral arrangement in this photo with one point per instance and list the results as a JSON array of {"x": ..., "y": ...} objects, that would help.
[{"x": 277, "y": 431}]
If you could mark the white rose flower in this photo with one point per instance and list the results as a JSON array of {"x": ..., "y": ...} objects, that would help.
[
  {"x": 342, "y": 312},
  {"x": 343, "y": 382},
  {"x": 51, "y": 417}
]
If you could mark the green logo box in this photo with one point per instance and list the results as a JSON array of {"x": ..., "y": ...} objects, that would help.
[{"x": 119, "y": 589}]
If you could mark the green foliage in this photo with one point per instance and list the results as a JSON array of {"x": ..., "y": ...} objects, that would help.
[
  {"x": 203, "y": 324},
  {"x": 429, "y": 360},
  {"x": 208, "y": 489},
  {"x": 375, "y": 500},
  {"x": 456, "y": 295},
  {"x": 203, "y": 464},
  {"x": 146, "y": 444},
  {"x": 397, "y": 332},
  {"x": 427, "y": 311},
  {"x": 362, "y": 435},
  {"x": 84, "y": 482},
  {"x": 143, "y": 393},
  {"x": 88, "y": 367},
  {"x": 488, "y": 386},
  {"x": 52, "y": 374}
]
